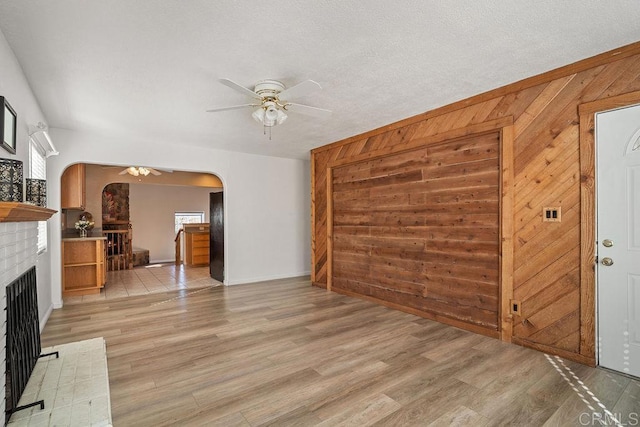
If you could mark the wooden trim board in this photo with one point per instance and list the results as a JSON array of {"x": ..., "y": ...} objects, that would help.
[
  {"x": 313, "y": 217},
  {"x": 506, "y": 232}
]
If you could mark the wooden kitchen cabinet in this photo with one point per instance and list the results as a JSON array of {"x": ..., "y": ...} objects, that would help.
[
  {"x": 196, "y": 244},
  {"x": 83, "y": 265},
  {"x": 72, "y": 187}
]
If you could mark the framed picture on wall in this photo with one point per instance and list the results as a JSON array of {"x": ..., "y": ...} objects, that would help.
[{"x": 8, "y": 120}]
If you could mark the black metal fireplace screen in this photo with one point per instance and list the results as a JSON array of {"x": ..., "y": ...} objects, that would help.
[{"x": 23, "y": 339}]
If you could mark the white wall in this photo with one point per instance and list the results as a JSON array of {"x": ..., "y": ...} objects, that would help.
[
  {"x": 14, "y": 87},
  {"x": 152, "y": 209},
  {"x": 267, "y": 200}
]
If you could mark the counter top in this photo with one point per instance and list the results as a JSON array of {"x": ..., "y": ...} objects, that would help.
[
  {"x": 71, "y": 238},
  {"x": 196, "y": 228}
]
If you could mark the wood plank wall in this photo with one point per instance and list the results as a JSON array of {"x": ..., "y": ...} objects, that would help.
[
  {"x": 549, "y": 275},
  {"x": 421, "y": 229}
]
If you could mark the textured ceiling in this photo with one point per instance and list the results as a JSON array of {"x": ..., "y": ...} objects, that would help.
[{"x": 148, "y": 69}]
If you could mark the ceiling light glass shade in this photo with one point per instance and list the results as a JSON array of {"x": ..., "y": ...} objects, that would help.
[
  {"x": 258, "y": 115},
  {"x": 132, "y": 170},
  {"x": 281, "y": 117},
  {"x": 271, "y": 115},
  {"x": 143, "y": 171}
]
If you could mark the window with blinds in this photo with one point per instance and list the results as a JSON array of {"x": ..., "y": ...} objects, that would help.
[{"x": 38, "y": 170}]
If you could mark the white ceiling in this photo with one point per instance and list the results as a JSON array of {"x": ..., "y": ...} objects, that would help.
[{"x": 148, "y": 69}]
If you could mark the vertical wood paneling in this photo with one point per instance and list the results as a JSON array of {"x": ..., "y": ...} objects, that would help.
[{"x": 552, "y": 263}]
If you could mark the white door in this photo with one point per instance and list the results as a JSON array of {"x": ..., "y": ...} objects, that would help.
[{"x": 618, "y": 271}]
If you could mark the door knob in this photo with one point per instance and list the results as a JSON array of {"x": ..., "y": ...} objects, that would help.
[
  {"x": 607, "y": 261},
  {"x": 607, "y": 243}
]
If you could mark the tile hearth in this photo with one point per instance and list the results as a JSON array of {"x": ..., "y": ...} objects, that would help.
[{"x": 75, "y": 388}]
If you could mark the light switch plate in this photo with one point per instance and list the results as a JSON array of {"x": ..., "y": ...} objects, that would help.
[{"x": 551, "y": 214}]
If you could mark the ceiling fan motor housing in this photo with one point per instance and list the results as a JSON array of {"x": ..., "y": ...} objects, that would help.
[{"x": 268, "y": 88}]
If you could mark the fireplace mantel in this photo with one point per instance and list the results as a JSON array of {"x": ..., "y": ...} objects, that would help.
[{"x": 21, "y": 212}]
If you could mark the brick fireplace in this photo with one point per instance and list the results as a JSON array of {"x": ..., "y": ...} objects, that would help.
[{"x": 18, "y": 253}]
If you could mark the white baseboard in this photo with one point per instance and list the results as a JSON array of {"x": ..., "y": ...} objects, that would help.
[
  {"x": 45, "y": 318},
  {"x": 266, "y": 278}
]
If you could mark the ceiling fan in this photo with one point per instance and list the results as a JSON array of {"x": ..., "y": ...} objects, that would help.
[
  {"x": 271, "y": 101},
  {"x": 141, "y": 170}
]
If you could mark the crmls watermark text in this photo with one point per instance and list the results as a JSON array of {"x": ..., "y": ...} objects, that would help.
[{"x": 609, "y": 419}]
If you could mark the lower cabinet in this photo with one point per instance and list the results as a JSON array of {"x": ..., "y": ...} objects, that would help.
[
  {"x": 196, "y": 244},
  {"x": 83, "y": 265}
]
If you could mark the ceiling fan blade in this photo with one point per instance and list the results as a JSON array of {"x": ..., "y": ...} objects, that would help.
[
  {"x": 243, "y": 90},
  {"x": 154, "y": 171},
  {"x": 235, "y": 107},
  {"x": 301, "y": 89},
  {"x": 123, "y": 172},
  {"x": 309, "y": 111}
]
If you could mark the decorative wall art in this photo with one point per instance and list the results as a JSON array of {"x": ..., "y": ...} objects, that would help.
[
  {"x": 10, "y": 180},
  {"x": 8, "y": 120},
  {"x": 36, "y": 192},
  {"x": 115, "y": 202}
]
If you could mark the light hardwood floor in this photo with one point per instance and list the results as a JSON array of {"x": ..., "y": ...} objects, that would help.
[{"x": 287, "y": 353}]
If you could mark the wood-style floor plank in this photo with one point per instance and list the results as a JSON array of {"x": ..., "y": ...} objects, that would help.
[{"x": 287, "y": 353}]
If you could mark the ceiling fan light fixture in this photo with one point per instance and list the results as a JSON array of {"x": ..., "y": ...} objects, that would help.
[
  {"x": 269, "y": 114},
  {"x": 140, "y": 170},
  {"x": 274, "y": 99}
]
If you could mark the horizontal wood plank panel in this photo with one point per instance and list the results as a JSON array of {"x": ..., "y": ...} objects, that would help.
[{"x": 460, "y": 188}]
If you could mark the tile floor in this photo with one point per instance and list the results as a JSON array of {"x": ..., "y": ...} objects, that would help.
[
  {"x": 75, "y": 387},
  {"x": 147, "y": 280}
]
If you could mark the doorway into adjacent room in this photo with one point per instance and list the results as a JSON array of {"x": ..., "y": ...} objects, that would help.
[{"x": 146, "y": 214}]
